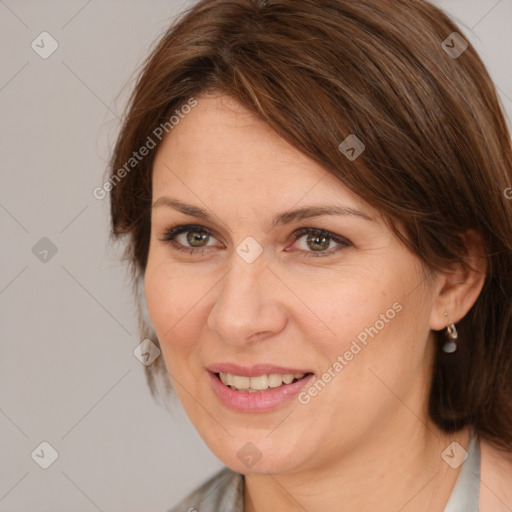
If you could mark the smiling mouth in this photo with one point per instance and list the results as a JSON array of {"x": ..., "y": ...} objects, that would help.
[{"x": 260, "y": 383}]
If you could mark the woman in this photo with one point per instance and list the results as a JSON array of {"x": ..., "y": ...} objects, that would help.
[{"x": 313, "y": 195}]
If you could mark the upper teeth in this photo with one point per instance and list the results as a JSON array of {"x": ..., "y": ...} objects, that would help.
[{"x": 261, "y": 382}]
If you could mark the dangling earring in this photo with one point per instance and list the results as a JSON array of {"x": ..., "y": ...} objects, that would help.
[{"x": 450, "y": 346}]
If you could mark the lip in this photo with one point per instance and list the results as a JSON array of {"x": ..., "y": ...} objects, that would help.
[
  {"x": 253, "y": 371},
  {"x": 260, "y": 401}
]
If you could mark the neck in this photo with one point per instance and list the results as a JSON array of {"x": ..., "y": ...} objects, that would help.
[{"x": 400, "y": 469}]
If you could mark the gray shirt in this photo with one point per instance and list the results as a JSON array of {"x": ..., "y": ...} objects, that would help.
[{"x": 224, "y": 491}]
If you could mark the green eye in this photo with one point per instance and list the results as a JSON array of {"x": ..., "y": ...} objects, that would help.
[
  {"x": 197, "y": 238},
  {"x": 318, "y": 242}
]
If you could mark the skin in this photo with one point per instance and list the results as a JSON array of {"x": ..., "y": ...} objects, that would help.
[{"x": 366, "y": 440}]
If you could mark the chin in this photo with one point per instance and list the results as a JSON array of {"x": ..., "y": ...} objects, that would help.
[{"x": 248, "y": 457}]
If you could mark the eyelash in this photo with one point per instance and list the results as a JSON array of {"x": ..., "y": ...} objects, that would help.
[{"x": 170, "y": 235}]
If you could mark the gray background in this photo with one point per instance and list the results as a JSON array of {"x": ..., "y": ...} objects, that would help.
[{"x": 68, "y": 374}]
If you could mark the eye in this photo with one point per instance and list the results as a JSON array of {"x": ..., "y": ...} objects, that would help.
[
  {"x": 188, "y": 238},
  {"x": 318, "y": 242}
]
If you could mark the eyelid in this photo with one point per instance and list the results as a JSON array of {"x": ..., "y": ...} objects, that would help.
[
  {"x": 183, "y": 228},
  {"x": 338, "y": 239}
]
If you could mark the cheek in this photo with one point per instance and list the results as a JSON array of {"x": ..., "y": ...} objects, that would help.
[
  {"x": 339, "y": 305},
  {"x": 370, "y": 315},
  {"x": 174, "y": 298}
]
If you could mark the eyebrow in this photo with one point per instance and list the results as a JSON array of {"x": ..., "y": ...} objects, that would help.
[{"x": 286, "y": 217}]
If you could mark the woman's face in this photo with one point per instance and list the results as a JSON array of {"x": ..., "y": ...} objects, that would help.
[{"x": 248, "y": 286}]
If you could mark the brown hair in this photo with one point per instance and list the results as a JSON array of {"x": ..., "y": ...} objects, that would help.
[{"x": 437, "y": 157}]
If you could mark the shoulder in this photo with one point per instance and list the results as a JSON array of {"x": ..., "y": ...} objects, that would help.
[
  {"x": 495, "y": 478},
  {"x": 223, "y": 492}
]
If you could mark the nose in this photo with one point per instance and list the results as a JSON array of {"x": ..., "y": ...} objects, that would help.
[{"x": 246, "y": 306}]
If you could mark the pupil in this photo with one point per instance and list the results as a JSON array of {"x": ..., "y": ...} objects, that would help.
[
  {"x": 321, "y": 241},
  {"x": 197, "y": 238}
]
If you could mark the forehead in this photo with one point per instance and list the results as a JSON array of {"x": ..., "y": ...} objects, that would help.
[{"x": 221, "y": 150}]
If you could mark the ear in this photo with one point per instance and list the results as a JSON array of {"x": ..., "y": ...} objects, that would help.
[{"x": 458, "y": 289}]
